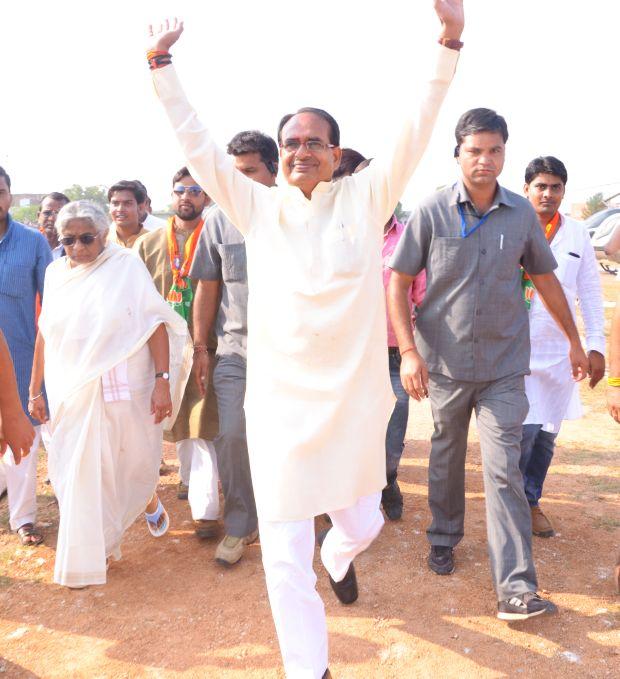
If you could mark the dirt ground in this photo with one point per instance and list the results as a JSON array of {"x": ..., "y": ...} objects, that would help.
[{"x": 170, "y": 611}]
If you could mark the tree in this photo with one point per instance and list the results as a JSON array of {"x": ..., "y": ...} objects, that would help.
[
  {"x": 26, "y": 214},
  {"x": 593, "y": 205},
  {"x": 97, "y": 194}
]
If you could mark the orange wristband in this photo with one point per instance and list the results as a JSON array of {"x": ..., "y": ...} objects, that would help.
[{"x": 402, "y": 353}]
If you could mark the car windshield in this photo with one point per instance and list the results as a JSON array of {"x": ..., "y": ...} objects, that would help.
[{"x": 598, "y": 217}]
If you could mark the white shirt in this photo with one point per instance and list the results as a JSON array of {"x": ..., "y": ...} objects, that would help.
[
  {"x": 551, "y": 391},
  {"x": 318, "y": 394},
  {"x": 152, "y": 223}
]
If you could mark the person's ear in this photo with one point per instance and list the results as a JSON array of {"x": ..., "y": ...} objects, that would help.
[{"x": 337, "y": 156}]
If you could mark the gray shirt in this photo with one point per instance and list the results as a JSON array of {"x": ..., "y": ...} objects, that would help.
[
  {"x": 220, "y": 256},
  {"x": 473, "y": 325}
]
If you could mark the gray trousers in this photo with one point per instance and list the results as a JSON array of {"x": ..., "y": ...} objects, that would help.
[
  {"x": 231, "y": 447},
  {"x": 500, "y": 407}
]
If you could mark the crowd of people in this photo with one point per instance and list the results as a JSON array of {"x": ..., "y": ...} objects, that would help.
[{"x": 250, "y": 330}]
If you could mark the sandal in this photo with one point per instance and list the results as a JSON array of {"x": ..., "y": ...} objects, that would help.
[
  {"x": 28, "y": 536},
  {"x": 153, "y": 520}
]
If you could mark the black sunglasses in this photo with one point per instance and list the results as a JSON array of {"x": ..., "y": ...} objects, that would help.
[{"x": 85, "y": 239}]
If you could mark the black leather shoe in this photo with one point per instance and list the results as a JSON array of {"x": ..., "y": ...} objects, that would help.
[
  {"x": 441, "y": 560},
  {"x": 392, "y": 501},
  {"x": 346, "y": 589}
]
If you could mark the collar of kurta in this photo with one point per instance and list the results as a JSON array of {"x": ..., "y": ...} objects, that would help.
[{"x": 461, "y": 195}]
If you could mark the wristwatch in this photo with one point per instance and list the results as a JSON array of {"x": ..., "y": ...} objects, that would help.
[{"x": 164, "y": 376}]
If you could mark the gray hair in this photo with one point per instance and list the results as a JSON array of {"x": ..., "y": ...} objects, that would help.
[{"x": 82, "y": 209}]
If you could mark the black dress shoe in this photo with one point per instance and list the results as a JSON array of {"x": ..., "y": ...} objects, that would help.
[
  {"x": 441, "y": 560},
  {"x": 346, "y": 589},
  {"x": 392, "y": 501}
]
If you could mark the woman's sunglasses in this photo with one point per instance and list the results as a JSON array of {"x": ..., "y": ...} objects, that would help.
[{"x": 85, "y": 239}]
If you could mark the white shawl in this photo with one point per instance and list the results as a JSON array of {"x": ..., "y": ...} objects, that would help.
[{"x": 94, "y": 317}]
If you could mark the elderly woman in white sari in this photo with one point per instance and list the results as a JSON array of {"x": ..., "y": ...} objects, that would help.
[{"x": 115, "y": 358}]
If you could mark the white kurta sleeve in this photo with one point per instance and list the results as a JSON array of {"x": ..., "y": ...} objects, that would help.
[
  {"x": 388, "y": 175},
  {"x": 214, "y": 169},
  {"x": 590, "y": 298}
]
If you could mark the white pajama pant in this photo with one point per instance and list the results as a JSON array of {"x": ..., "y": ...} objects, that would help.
[
  {"x": 200, "y": 462},
  {"x": 297, "y": 609},
  {"x": 20, "y": 481}
]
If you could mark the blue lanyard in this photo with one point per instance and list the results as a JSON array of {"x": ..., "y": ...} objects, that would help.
[{"x": 464, "y": 231}]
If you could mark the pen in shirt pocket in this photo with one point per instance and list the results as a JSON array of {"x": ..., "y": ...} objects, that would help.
[
  {"x": 501, "y": 241},
  {"x": 574, "y": 254}
]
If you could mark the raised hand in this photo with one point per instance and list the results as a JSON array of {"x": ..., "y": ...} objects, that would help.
[
  {"x": 162, "y": 37},
  {"x": 452, "y": 17}
]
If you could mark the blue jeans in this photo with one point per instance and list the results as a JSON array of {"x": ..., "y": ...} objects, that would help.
[
  {"x": 397, "y": 426},
  {"x": 537, "y": 448}
]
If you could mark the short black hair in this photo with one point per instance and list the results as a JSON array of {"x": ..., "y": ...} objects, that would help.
[
  {"x": 479, "y": 120},
  {"x": 334, "y": 130},
  {"x": 348, "y": 162},
  {"x": 545, "y": 165},
  {"x": 136, "y": 188},
  {"x": 57, "y": 196},
  {"x": 253, "y": 141},
  {"x": 141, "y": 185},
  {"x": 183, "y": 172},
  {"x": 7, "y": 179}
]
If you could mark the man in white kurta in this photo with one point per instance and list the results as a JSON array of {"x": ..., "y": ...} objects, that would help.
[
  {"x": 550, "y": 389},
  {"x": 318, "y": 394}
]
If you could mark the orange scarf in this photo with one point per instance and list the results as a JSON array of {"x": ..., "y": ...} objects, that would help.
[{"x": 181, "y": 294}]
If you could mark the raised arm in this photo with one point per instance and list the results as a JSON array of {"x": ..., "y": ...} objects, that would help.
[
  {"x": 210, "y": 165},
  {"x": 388, "y": 176}
]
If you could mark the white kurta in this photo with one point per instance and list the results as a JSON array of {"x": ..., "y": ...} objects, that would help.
[
  {"x": 104, "y": 456},
  {"x": 318, "y": 395},
  {"x": 551, "y": 391}
]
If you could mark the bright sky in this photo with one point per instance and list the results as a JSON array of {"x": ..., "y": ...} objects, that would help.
[{"x": 78, "y": 105}]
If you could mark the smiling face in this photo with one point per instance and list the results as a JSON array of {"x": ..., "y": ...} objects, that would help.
[
  {"x": 125, "y": 210},
  {"x": 304, "y": 168},
  {"x": 46, "y": 219},
  {"x": 188, "y": 199},
  {"x": 78, "y": 252},
  {"x": 545, "y": 192},
  {"x": 481, "y": 157}
]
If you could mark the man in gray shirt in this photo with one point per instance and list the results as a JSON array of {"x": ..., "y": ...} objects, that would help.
[
  {"x": 471, "y": 350},
  {"x": 222, "y": 299}
]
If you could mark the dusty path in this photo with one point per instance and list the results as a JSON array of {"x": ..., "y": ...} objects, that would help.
[{"x": 169, "y": 611}]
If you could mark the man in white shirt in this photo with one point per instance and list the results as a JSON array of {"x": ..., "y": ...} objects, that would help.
[
  {"x": 317, "y": 337},
  {"x": 551, "y": 391}
]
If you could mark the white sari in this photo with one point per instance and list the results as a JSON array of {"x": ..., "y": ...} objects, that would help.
[{"x": 104, "y": 453}]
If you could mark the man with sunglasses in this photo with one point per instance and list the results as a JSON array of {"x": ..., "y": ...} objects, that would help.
[
  {"x": 24, "y": 256},
  {"x": 318, "y": 395},
  {"x": 168, "y": 254},
  {"x": 46, "y": 219}
]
